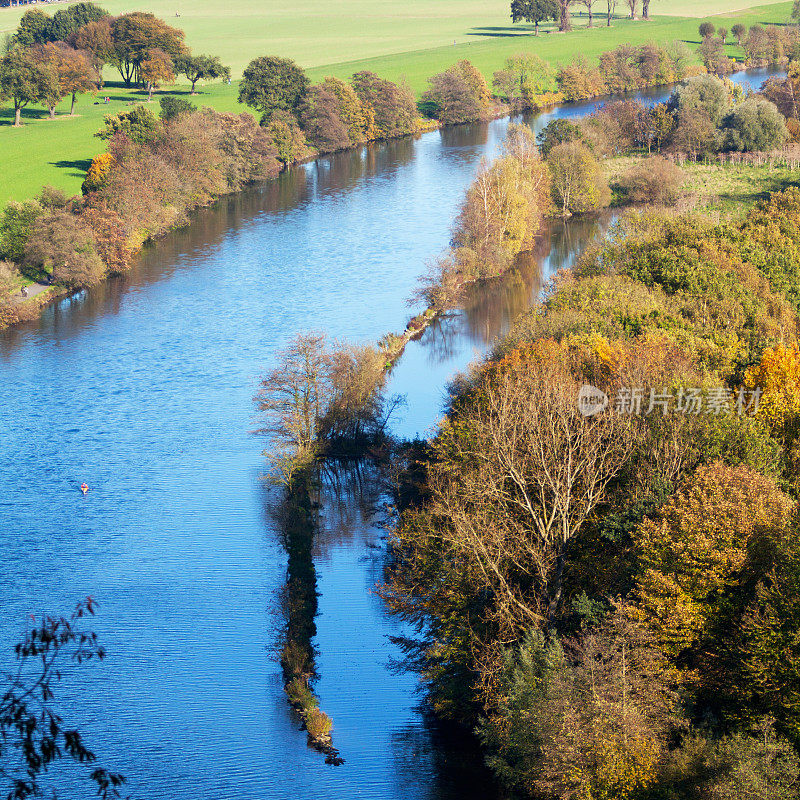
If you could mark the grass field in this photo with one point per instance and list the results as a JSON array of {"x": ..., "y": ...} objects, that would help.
[{"x": 413, "y": 39}]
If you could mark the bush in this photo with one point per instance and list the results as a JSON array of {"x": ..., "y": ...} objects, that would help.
[
  {"x": 318, "y": 724},
  {"x": 300, "y": 694},
  {"x": 139, "y": 124},
  {"x": 172, "y": 107},
  {"x": 654, "y": 180},
  {"x": 60, "y": 244}
]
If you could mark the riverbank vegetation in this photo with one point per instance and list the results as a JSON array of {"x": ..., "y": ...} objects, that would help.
[{"x": 606, "y": 598}]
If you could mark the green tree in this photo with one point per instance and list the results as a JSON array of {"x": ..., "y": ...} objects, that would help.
[
  {"x": 524, "y": 76},
  {"x": 755, "y": 124},
  {"x": 66, "y": 21},
  {"x": 705, "y": 93},
  {"x": 556, "y": 132},
  {"x": 578, "y": 182},
  {"x": 34, "y": 28},
  {"x": 15, "y": 228},
  {"x": 201, "y": 68},
  {"x": 535, "y": 11},
  {"x": 139, "y": 124},
  {"x": 706, "y": 29},
  {"x": 24, "y": 80},
  {"x": 271, "y": 83},
  {"x": 738, "y": 30}
]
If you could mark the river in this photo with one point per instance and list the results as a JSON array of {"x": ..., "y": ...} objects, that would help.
[{"x": 143, "y": 388}]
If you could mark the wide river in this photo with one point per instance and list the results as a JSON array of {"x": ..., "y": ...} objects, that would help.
[{"x": 144, "y": 389}]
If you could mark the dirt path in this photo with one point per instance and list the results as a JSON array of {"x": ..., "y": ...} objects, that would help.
[{"x": 33, "y": 290}]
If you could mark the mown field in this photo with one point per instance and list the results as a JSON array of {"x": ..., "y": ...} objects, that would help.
[{"x": 412, "y": 40}]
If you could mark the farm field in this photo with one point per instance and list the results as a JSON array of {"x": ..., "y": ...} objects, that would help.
[{"x": 413, "y": 42}]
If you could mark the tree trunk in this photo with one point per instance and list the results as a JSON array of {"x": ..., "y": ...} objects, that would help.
[
  {"x": 564, "y": 23},
  {"x": 194, "y": 82},
  {"x": 17, "y": 115},
  {"x": 645, "y": 9},
  {"x": 149, "y": 92},
  {"x": 554, "y": 587},
  {"x": 72, "y": 106},
  {"x": 536, "y": 28},
  {"x": 52, "y": 110},
  {"x": 590, "y": 14}
]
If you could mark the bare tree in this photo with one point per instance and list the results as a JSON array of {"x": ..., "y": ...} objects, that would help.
[
  {"x": 632, "y": 6},
  {"x": 611, "y": 6},
  {"x": 588, "y": 4}
]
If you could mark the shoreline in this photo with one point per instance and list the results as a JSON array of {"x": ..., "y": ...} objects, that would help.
[{"x": 28, "y": 309}]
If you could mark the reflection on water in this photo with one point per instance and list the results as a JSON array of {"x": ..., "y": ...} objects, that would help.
[{"x": 143, "y": 388}]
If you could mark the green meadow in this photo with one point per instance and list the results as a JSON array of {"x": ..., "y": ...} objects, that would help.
[{"x": 412, "y": 40}]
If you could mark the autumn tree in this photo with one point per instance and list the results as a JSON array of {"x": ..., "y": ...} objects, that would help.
[
  {"x": 201, "y": 68},
  {"x": 24, "y": 80},
  {"x": 318, "y": 115},
  {"x": 458, "y": 95},
  {"x": 155, "y": 69},
  {"x": 95, "y": 38},
  {"x": 392, "y": 106},
  {"x": 61, "y": 245},
  {"x": 578, "y": 182},
  {"x": 139, "y": 124},
  {"x": 706, "y": 30},
  {"x": 135, "y": 35},
  {"x": 358, "y": 119},
  {"x": 653, "y": 180},
  {"x": 588, "y": 5},
  {"x": 271, "y": 83},
  {"x": 74, "y": 71},
  {"x": 738, "y": 30}
]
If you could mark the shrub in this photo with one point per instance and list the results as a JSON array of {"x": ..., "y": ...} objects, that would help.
[
  {"x": 139, "y": 124},
  {"x": 98, "y": 172},
  {"x": 653, "y": 180},
  {"x": 287, "y": 138},
  {"x": 705, "y": 93},
  {"x": 300, "y": 694},
  {"x": 172, "y": 107},
  {"x": 318, "y": 724},
  {"x": 60, "y": 244}
]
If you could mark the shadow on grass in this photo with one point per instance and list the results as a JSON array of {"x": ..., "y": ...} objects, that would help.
[
  {"x": 28, "y": 115},
  {"x": 78, "y": 167}
]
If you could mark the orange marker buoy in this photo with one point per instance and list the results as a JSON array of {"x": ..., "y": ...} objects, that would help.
[{"x": 84, "y": 488}]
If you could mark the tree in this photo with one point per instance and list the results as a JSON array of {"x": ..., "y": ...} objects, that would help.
[
  {"x": 201, "y": 68},
  {"x": 611, "y": 6},
  {"x": 535, "y": 11},
  {"x": 712, "y": 53},
  {"x": 705, "y": 93},
  {"x": 95, "y": 38},
  {"x": 706, "y": 30},
  {"x": 34, "y": 28},
  {"x": 359, "y": 121},
  {"x": 319, "y": 118},
  {"x": 16, "y": 224},
  {"x": 796, "y": 11},
  {"x": 271, "y": 83},
  {"x": 578, "y": 181},
  {"x": 757, "y": 46},
  {"x": 73, "y": 68},
  {"x": 66, "y": 21},
  {"x": 450, "y": 99},
  {"x": 60, "y": 244},
  {"x": 139, "y": 124},
  {"x": 33, "y": 736},
  {"x": 722, "y": 33},
  {"x": 738, "y": 30},
  {"x": 588, "y": 5},
  {"x": 393, "y": 106},
  {"x": 134, "y": 35},
  {"x": 24, "y": 80},
  {"x": 632, "y": 6},
  {"x": 564, "y": 22},
  {"x": 645, "y": 9},
  {"x": 556, "y": 132},
  {"x": 155, "y": 69},
  {"x": 524, "y": 76},
  {"x": 755, "y": 124}
]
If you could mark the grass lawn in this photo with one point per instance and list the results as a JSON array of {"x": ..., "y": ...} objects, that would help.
[
  {"x": 730, "y": 189},
  {"x": 414, "y": 39},
  {"x": 342, "y": 30}
]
